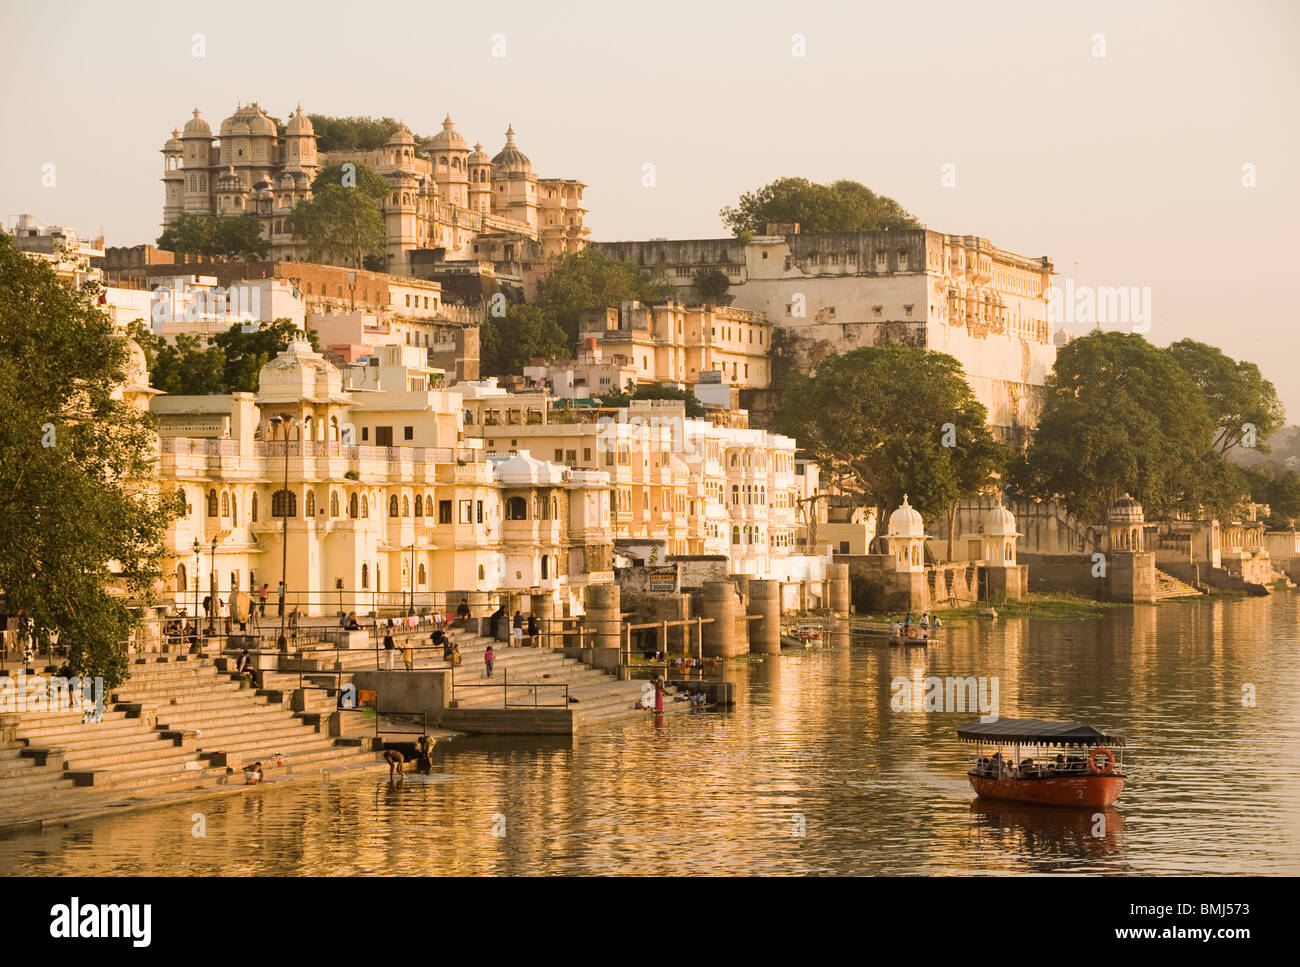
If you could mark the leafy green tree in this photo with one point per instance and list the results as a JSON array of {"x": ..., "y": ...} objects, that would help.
[
  {"x": 239, "y": 238},
  {"x": 1122, "y": 416},
  {"x": 355, "y": 133},
  {"x": 360, "y": 176},
  {"x": 507, "y": 343},
  {"x": 842, "y": 206},
  {"x": 188, "y": 235},
  {"x": 1242, "y": 403},
  {"x": 228, "y": 237},
  {"x": 1279, "y": 487},
  {"x": 230, "y": 365},
  {"x": 653, "y": 391},
  {"x": 79, "y": 524},
  {"x": 341, "y": 226},
  {"x": 591, "y": 280},
  {"x": 893, "y": 420},
  {"x": 712, "y": 287}
]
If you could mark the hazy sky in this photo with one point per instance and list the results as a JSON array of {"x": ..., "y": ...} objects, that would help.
[{"x": 1126, "y": 169}]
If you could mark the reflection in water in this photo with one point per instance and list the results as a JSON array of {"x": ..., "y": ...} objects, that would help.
[{"x": 812, "y": 772}]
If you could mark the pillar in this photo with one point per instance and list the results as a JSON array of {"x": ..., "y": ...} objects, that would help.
[
  {"x": 604, "y": 624},
  {"x": 543, "y": 607},
  {"x": 765, "y": 634},
  {"x": 722, "y": 605},
  {"x": 837, "y": 579}
]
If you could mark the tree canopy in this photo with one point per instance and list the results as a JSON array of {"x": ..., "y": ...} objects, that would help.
[
  {"x": 81, "y": 528},
  {"x": 892, "y": 420},
  {"x": 1242, "y": 403},
  {"x": 842, "y": 206},
  {"x": 590, "y": 279},
  {"x": 355, "y": 133},
  {"x": 653, "y": 391},
  {"x": 712, "y": 287},
  {"x": 1123, "y": 416},
  {"x": 507, "y": 343},
  {"x": 230, "y": 365},
  {"x": 343, "y": 223},
  {"x": 226, "y": 237}
]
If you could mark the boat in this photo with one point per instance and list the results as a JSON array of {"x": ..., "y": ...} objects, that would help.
[
  {"x": 804, "y": 636},
  {"x": 1039, "y": 762},
  {"x": 915, "y": 638}
]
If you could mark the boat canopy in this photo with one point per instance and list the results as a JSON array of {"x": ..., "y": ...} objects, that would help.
[{"x": 1036, "y": 732}]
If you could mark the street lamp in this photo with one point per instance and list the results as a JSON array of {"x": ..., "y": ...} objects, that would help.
[
  {"x": 284, "y": 420},
  {"x": 198, "y": 549},
  {"x": 212, "y": 585}
]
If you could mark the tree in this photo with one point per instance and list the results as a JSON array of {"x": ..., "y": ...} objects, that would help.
[
  {"x": 341, "y": 226},
  {"x": 893, "y": 420},
  {"x": 842, "y": 206},
  {"x": 351, "y": 133},
  {"x": 188, "y": 235},
  {"x": 653, "y": 391},
  {"x": 370, "y": 182},
  {"x": 230, "y": 365},
  {"x": 590, "y": 279},
  {"x": 82, "y": 536},
  {"x": 1242, "y": 403},
  {"x": 1122, "y": 416},
  {"x": 1279, "y": 487},
  {"x": 227, "y": 237},
  {"x": 507, "y": 343},
  {"x": 711, "y": 287}
]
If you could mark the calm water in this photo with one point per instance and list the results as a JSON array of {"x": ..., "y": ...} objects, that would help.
[{"x": 1214, "y": 787}]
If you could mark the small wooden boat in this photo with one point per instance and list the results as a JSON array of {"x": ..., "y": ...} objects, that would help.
[
  {"x": 804, "y": 636},
  {"x": 913, "y": 637},
  {"x": 1039, "y": 767}
]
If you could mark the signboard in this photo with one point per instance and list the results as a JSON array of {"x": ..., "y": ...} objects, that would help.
[{"x": 663, "y": 578}]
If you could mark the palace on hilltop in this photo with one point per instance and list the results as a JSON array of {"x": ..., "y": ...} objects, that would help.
[{"x": 448, "y": 201}]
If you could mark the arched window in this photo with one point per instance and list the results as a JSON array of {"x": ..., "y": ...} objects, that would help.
[
  {"x": 365, "y": 575},
  {"x": 735, "y": 495},
  {"x": 392, "y": 506},
  {"x": 284, "y": 503},
  {"x": 735, "y": 534},
  {"x": 334, "y": 503},
  {"x": 212, "y": 503},
  {"x": 182, "y": 580},
  {"x": 545, "y": 567},
  {"x": 481, "y": 572},
  {"x": 406, "y": 506},
  {"x": 420, "y": 577},
  {"x": 234, "y": 580},
  {"x": 225, "y": 504},
  {"x": 365, "y": 506},
  {"x": 254, "y": 506},
  {"x": 1008, "y": 554},
  {"x": 916, "y": 555},
  {"x": 352, "y": 506},
  {"x": 311, "y": 503},
  {"x": 516, "y": 509},
  {"x": 419, "y": 505},
  {"x": 334, "y": 429},
  {"x": 234, "y": 509},
  {"x": 544, "y": 508},
  {"x": 182, "y": 507},
  {"x": 428, "y": 505},
  {"x": 555, "y": 508}
]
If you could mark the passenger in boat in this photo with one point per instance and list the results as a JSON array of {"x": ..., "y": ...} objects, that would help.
[
  {"x": 995, "y": 765},
  {"x": 907, "y": 622},
  {"x": 1027, "y": 769},
  {"x": 982, "y": 766},
  {"x": 925, "y": 620},
  {"x": 1059, "y": 764}
]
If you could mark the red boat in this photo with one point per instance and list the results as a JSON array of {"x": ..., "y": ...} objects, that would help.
[{"x": 1045, "y": 763}]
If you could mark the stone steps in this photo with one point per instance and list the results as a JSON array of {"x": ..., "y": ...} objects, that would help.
[{"x": 1168, "y": 586}]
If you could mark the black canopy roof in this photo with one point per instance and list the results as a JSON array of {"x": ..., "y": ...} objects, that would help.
[{"x": 1029, "y": 731}]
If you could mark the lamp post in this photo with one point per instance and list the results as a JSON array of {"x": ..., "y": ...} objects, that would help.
[
  {"x": 212, "y": 585},
  {"x": 284, "y": 420},
  {"x": 198, "y": 550}
]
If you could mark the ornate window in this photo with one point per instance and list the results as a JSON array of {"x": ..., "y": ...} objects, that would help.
[
  {"x": 516, "y": 509},
  {"x": 284, "y": 503},
  {"x": 212, "y": 503},
  {"x": 254, "y": 506},
  {"x": 419, "y": 505},
  {"x": 406, "y": 506},
  {"x": 334, "y": 503},
  {"x": 392, "y": 506},
  {"x": 352, "y": 506},
  {"x": 365, "y": 575},
  {"x": 311, "y": 503},
  {"x": 365, "y": 506}
]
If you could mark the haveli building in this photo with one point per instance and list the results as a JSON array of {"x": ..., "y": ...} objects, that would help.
[
  {"x": 387, "y": 504},
  {"x": 837, "y": 291},
  {"x": 448, "y": 201}
]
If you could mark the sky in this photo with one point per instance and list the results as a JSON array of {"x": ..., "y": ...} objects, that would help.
[{"x": 1139, "y": 144}]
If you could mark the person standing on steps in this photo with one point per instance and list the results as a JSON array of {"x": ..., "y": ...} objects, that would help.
[
  {"x": 489, "y": 656},
  {"x": 261, "y": 597},
  {"x": 532, "y": 630},
  {"x": 389, "y": 648},
  {"x": 280, "y": 592},
  {"x": 517, "y": 628}
]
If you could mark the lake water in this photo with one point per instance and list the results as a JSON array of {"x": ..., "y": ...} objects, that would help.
[{"x": 812, "y": 772}]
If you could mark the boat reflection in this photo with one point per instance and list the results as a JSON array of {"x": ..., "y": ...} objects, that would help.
[{"x": 1047, "y": 831}]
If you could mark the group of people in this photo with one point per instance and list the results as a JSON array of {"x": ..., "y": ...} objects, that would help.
[
  {"x": 995, "y": 767},
  {"x": 910, "y": 628},
  {"x": 423, "y": 759}
]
